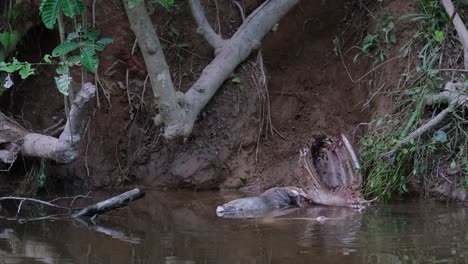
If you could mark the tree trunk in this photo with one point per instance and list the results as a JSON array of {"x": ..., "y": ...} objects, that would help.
[
  {"x": 63, "y": 149},
  {"x": 179, "y": 112}
]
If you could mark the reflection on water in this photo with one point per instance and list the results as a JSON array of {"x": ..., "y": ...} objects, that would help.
[{"x": 183, "y": 228}]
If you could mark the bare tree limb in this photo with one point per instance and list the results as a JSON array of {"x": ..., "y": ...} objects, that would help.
[
  {"x": 65, "y": 148},
  {"x": 453, "y": 94},
  {"x": 459, "y": 27},
  {"x": 178, "y": 111},
  {"x": 163, "y": 88},
  {"x": 431, "y": 124},
  {"x": 204, "y": 28},
  {"x": 22, "y": 199},
  {"x": 111, "y": 204},
  {"x": 89, "y": 211}
]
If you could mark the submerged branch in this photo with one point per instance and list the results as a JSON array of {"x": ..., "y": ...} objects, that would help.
[
  {"x": 111, "y": 204},
  {"x": 85, "y": 212}
]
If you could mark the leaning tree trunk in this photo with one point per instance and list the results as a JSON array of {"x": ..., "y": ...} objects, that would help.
[
  {"x": 15, "y": 139},
  {"x": 179, "y": 111}
]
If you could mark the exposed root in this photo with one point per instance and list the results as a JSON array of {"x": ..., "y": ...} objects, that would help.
[{"x": 64, "y": 149}]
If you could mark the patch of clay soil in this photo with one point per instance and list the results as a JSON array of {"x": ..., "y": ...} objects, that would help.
[{"x": 309, "y": 90}]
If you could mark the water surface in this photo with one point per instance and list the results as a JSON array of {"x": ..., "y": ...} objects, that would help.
[{"x": 182, "y": 227}]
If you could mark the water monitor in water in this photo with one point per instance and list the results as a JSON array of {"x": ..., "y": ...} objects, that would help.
[{"x": 330, "y": 176}]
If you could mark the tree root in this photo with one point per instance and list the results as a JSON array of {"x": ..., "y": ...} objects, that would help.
[{"x": 15, "y": 139}]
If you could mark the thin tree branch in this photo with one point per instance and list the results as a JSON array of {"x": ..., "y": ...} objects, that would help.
[
  {"x": 459, "y": 27},
  {"x": 204, "y": 28},
  {"x": 453, "y": 94}
]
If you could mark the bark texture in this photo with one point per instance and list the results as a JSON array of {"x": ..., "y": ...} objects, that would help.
[
  {"x": 111, "y": 204},
  {"x": 14, "y": 138},
  {"x": 179, "y": 112},
  {"x": 459, "y": 27}
]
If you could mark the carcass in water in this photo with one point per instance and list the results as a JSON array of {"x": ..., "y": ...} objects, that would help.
[{"x": 330, "y": 176}]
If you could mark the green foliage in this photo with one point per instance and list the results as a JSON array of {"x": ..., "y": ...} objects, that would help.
[
  {"x": 426, "y": 157},
  {"x": 88, "y": 44},
  {"x": 167, "y": 4},
  {"x": 65, "y": 48},
  {"x": 373, "y": 45},
  {"x": 63, "y": 83},
  {"x": 89, "y": 58},
  {"x": 9, "y": 39},
  {"x": 23, "y": 68},
  {"x": 72, "y": 8},
  {"x": 50, "y": 10}
]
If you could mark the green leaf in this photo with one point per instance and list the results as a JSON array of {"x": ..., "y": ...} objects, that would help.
[
  {"x": 63, "y": 83},
  {"x": 412, "y": 119},
  {"x": 99, "y": 47},
  {"x": 47, "y": 58},
  {"x": 72, "y": 8},
  {"x": 439, "y": 36},
  {"x": 236, "y": 80},
  {"x": 49, "y": 12},
  {"x": 26, "y": 71},
  {"x": 440, "y": 136},
  {"x": 9, "y": 39},
  {"x": 62, "y": 70},
  {"x": 91, "y": 35},
  {"x": 166, "y": 3},
  {"x": 72, "y": 36},
  {"x": 74, "y": 60},
  {"x": 65, "y": 48},
  {"x": 10, "y": 67},
  {"x": 4, "y": 38},
  {"x": 105, "y": 41},
  {"x": 89, "y": 58}
]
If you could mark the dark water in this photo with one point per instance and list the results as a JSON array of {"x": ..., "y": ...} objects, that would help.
[{"x": 183, "y": 228}]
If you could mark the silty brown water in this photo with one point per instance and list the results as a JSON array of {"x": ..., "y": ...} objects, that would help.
[{"x": 182, "y": 227}]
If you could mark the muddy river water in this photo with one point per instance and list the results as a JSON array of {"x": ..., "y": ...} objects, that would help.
[{"x": 182, "y": 227}]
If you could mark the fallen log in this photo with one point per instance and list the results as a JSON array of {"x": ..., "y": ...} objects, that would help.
[{"x": 111, "y": 204}]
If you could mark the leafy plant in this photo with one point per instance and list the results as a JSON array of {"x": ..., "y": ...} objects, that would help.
[
  {"x": 424, "y": 158},
  {"x": 88, "y": 43},
  {"x": 167, "y": 4},
  {"x": 373, "y": 45},
  {"x": 50, "y": 10},
  {"x": 23, "y": 68}
]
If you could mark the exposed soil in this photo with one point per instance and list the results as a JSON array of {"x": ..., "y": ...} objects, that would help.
[{"x": 309, "y": 91}]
